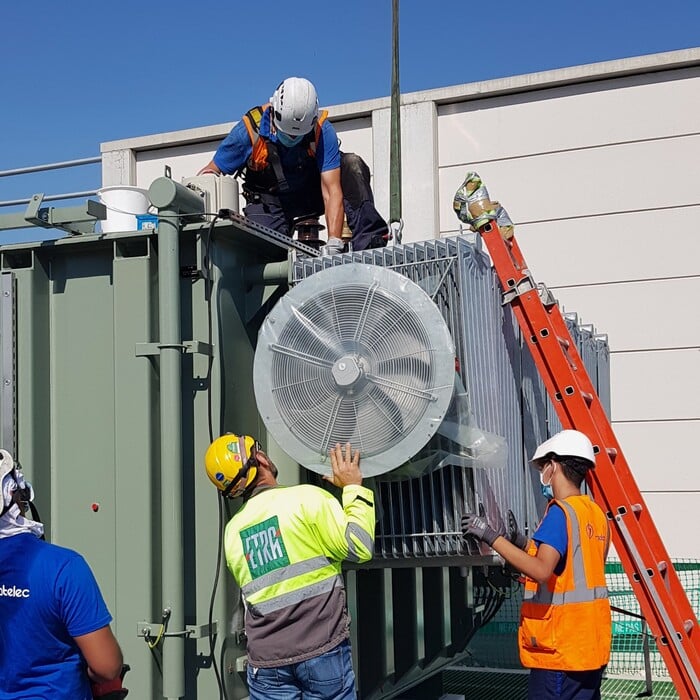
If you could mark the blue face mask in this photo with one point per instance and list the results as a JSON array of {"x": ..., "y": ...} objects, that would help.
[
  {"x": 287, "y": 140},
  {"x": 546, "y": 489}
]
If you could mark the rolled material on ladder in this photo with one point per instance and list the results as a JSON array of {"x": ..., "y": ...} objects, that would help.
[{"x": 474, "y": 206}]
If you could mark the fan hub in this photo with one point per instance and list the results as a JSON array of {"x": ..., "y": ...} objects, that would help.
[{"x": 346, "y": 371}]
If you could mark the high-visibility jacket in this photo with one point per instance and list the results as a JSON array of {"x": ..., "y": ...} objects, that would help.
[
  {"x": 263, "y": 170},
  {"x": 285, "y": 547},
  {"x": 565, "y": 625}
]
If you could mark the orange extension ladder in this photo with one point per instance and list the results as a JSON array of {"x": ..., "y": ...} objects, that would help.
[{"x": 663, "y": 601}]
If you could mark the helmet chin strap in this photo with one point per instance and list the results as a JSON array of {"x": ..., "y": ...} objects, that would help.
[{"x": 243, "y": 471}]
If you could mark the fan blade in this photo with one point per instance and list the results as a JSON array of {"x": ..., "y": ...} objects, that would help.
[
  {"x": 320, "y": 335},
  {"x": 405, "y": 366},
  {"x": 406, "y": 388}
]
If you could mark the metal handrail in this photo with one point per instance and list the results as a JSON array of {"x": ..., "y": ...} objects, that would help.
[
  {"x": 50, "y": 166},
  {"x": 49, "y": 198}
]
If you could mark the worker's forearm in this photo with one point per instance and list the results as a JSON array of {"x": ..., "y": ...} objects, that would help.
[
  {"x": 522, "y": 561},
  {"x": 334, "y": 216},
  {"x": 211, "y": 167}
]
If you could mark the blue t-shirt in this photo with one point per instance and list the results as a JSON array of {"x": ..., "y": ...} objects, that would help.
[
  {"x": 552, "y": 531},
  {"x": 236, "y": 148},
  {"x": 48, "y": 595}
]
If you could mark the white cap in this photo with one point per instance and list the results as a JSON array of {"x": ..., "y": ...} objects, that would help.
[{"x": 567, "y": 443}]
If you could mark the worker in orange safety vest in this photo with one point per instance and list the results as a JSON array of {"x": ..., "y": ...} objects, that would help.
[{"x": 565, "y": 625}]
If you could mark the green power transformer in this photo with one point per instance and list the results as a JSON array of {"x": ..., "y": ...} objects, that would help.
[
  {"x": 122, "y": 355},
  {"x": 110, "y": 420}
]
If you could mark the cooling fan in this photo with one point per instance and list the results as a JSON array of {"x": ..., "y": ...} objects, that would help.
[{"x": 354, "y": 353}]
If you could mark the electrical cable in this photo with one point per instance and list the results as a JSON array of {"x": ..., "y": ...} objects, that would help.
[
  {"x": 163, "y": 624},
  {"x": 153, "y": 644},
  {"x": 212, "y": 639},
  {"x": 209, "y": 295}
]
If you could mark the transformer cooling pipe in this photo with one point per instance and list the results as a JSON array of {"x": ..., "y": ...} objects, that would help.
[{"x": 171, "y": 199}]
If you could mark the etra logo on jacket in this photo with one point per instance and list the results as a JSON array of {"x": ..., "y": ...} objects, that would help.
[{"x": 264, "y": 548}]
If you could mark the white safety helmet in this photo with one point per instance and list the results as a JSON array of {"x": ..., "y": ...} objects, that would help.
[
  {"x": 294, "y": 106},
  {"x": 567, "y": 443}
]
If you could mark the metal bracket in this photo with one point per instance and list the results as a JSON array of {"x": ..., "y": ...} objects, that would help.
[
  {"x": 524, "y": 285},
  {"x": 151, "y": 629},
  {"x": 194, "y": 347},
  {"x": 8, "y": 362},
  {"x": 517, "y": 288},
  {"x": 546, "y": 295},
  {"x": 73, "y": 220},
  {"x": 272, "y": 236}
]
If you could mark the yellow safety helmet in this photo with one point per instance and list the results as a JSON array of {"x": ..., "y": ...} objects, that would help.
[{"x": 231, "y": 464}]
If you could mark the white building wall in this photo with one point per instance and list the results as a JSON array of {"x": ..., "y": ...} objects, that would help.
[{"x": 599, "y": 168}]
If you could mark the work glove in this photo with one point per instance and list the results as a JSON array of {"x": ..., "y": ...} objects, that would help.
[
  {"x": 476, "y": 526},
  {"x": 513, "y": 534},
  {"x": 110, "y": 690}
]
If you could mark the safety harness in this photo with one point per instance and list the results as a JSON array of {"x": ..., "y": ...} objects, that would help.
[{"x": 263, "y": 172}]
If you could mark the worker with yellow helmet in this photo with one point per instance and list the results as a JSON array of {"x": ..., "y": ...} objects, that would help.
[{"x": 285, "y": 547}]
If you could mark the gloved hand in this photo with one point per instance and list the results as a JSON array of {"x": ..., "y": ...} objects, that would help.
[
  {"x": 476, "y": 526},
  {"x": 513, "y": 534},
  {"x": 111, "y": 690}
]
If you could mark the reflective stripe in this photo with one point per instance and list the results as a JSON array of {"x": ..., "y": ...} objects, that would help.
[
  {"x": 546, "y": 597},
  {"x": 365, "y": 540},
  {"x": 581, "y": 593},
  {"x": 295, "y": 597},
  {"x": 285, "y": 573}
]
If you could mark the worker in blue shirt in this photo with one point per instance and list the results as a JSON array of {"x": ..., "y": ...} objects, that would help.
[
  {"x": 55, "y": 635},
  {"x": 288, "y": 155},
  {"x": 565, "y": 630}
]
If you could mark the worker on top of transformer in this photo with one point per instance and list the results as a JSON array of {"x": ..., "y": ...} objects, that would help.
[
  {"x": 285, "y": 547},
  {"x": 288, "y": 155},
  {"x": 55, "y": 635},
  {"x": 565, "y": 626}
]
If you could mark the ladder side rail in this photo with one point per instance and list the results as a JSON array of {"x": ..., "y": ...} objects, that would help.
[
  {"x": 560, "y": 364},
  {"x": 652, "y": 576},
  {"x": 658, "y": 586}
]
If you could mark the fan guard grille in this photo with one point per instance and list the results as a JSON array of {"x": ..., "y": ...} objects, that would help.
[{"x": 355, "y": 354}]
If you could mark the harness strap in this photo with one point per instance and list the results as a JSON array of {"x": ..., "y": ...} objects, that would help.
[
  {"x": 252, "y": 120},
  {"x": 273, "y": 158}
]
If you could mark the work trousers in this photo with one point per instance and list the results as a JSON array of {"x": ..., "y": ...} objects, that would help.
[
  {"x": 564, "y": 685},
  {"x": 368, "y": 228},
  {"x": 325, "y": 677}
]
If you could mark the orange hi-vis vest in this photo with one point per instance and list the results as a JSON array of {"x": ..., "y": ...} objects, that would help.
[{"x": 565, "y": 625}]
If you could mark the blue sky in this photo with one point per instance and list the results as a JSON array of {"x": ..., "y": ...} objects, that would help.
[{"x": 77, "y": 73}]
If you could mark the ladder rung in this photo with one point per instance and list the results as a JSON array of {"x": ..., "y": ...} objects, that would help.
[{"x": 660, "y": 594}]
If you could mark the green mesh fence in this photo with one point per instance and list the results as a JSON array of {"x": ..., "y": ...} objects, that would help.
[{"x": 495, "y": 645}]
